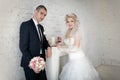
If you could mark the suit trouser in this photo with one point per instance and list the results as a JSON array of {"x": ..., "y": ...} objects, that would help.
[{"x": 31, "y": 75}]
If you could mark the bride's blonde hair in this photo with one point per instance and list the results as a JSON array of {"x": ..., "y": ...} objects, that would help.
[{"x": 69, "y": 32}]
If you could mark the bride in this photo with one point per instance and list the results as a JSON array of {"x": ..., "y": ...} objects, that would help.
[{"x": 78, "y": 66}]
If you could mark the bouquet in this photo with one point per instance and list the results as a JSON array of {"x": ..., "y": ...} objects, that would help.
[{"x": 38, "y": 63}]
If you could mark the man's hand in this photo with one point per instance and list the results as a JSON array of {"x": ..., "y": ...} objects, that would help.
[
  {"x": 36, "y": 70},
  {"x": 48, "y": 52}
]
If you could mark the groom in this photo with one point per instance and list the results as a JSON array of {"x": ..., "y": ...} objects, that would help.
[{"x": 34, "y": 43}]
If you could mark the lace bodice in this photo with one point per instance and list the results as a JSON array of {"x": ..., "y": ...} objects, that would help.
[{"x": 70, "y": 42}]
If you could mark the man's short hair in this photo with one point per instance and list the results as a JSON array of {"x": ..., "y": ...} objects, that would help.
[{"x": 41, "y": 6}]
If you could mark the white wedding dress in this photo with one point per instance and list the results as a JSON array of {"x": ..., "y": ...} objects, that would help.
[{"x": 78, "y": 66}]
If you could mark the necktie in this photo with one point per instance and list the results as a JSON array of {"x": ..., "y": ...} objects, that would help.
[
  {"x": 41, "y": 37},
  {"x": 40, "y": 32}
]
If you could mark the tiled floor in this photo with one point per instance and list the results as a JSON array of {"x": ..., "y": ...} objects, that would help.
[{"x": 109, "y": 72}]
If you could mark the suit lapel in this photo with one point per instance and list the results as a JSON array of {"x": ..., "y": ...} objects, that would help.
[{"x": 34, "y": 28}]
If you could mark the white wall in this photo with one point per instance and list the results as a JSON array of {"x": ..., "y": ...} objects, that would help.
[
  {"x": 110, "y": 35},
  {"x": 99, "y": 24}
]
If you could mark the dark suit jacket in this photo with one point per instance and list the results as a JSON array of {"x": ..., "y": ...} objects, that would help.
[{"x": 29, "y": 42}]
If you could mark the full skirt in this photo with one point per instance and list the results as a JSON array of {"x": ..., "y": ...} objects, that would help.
[{"x": 78, "y": 67}]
